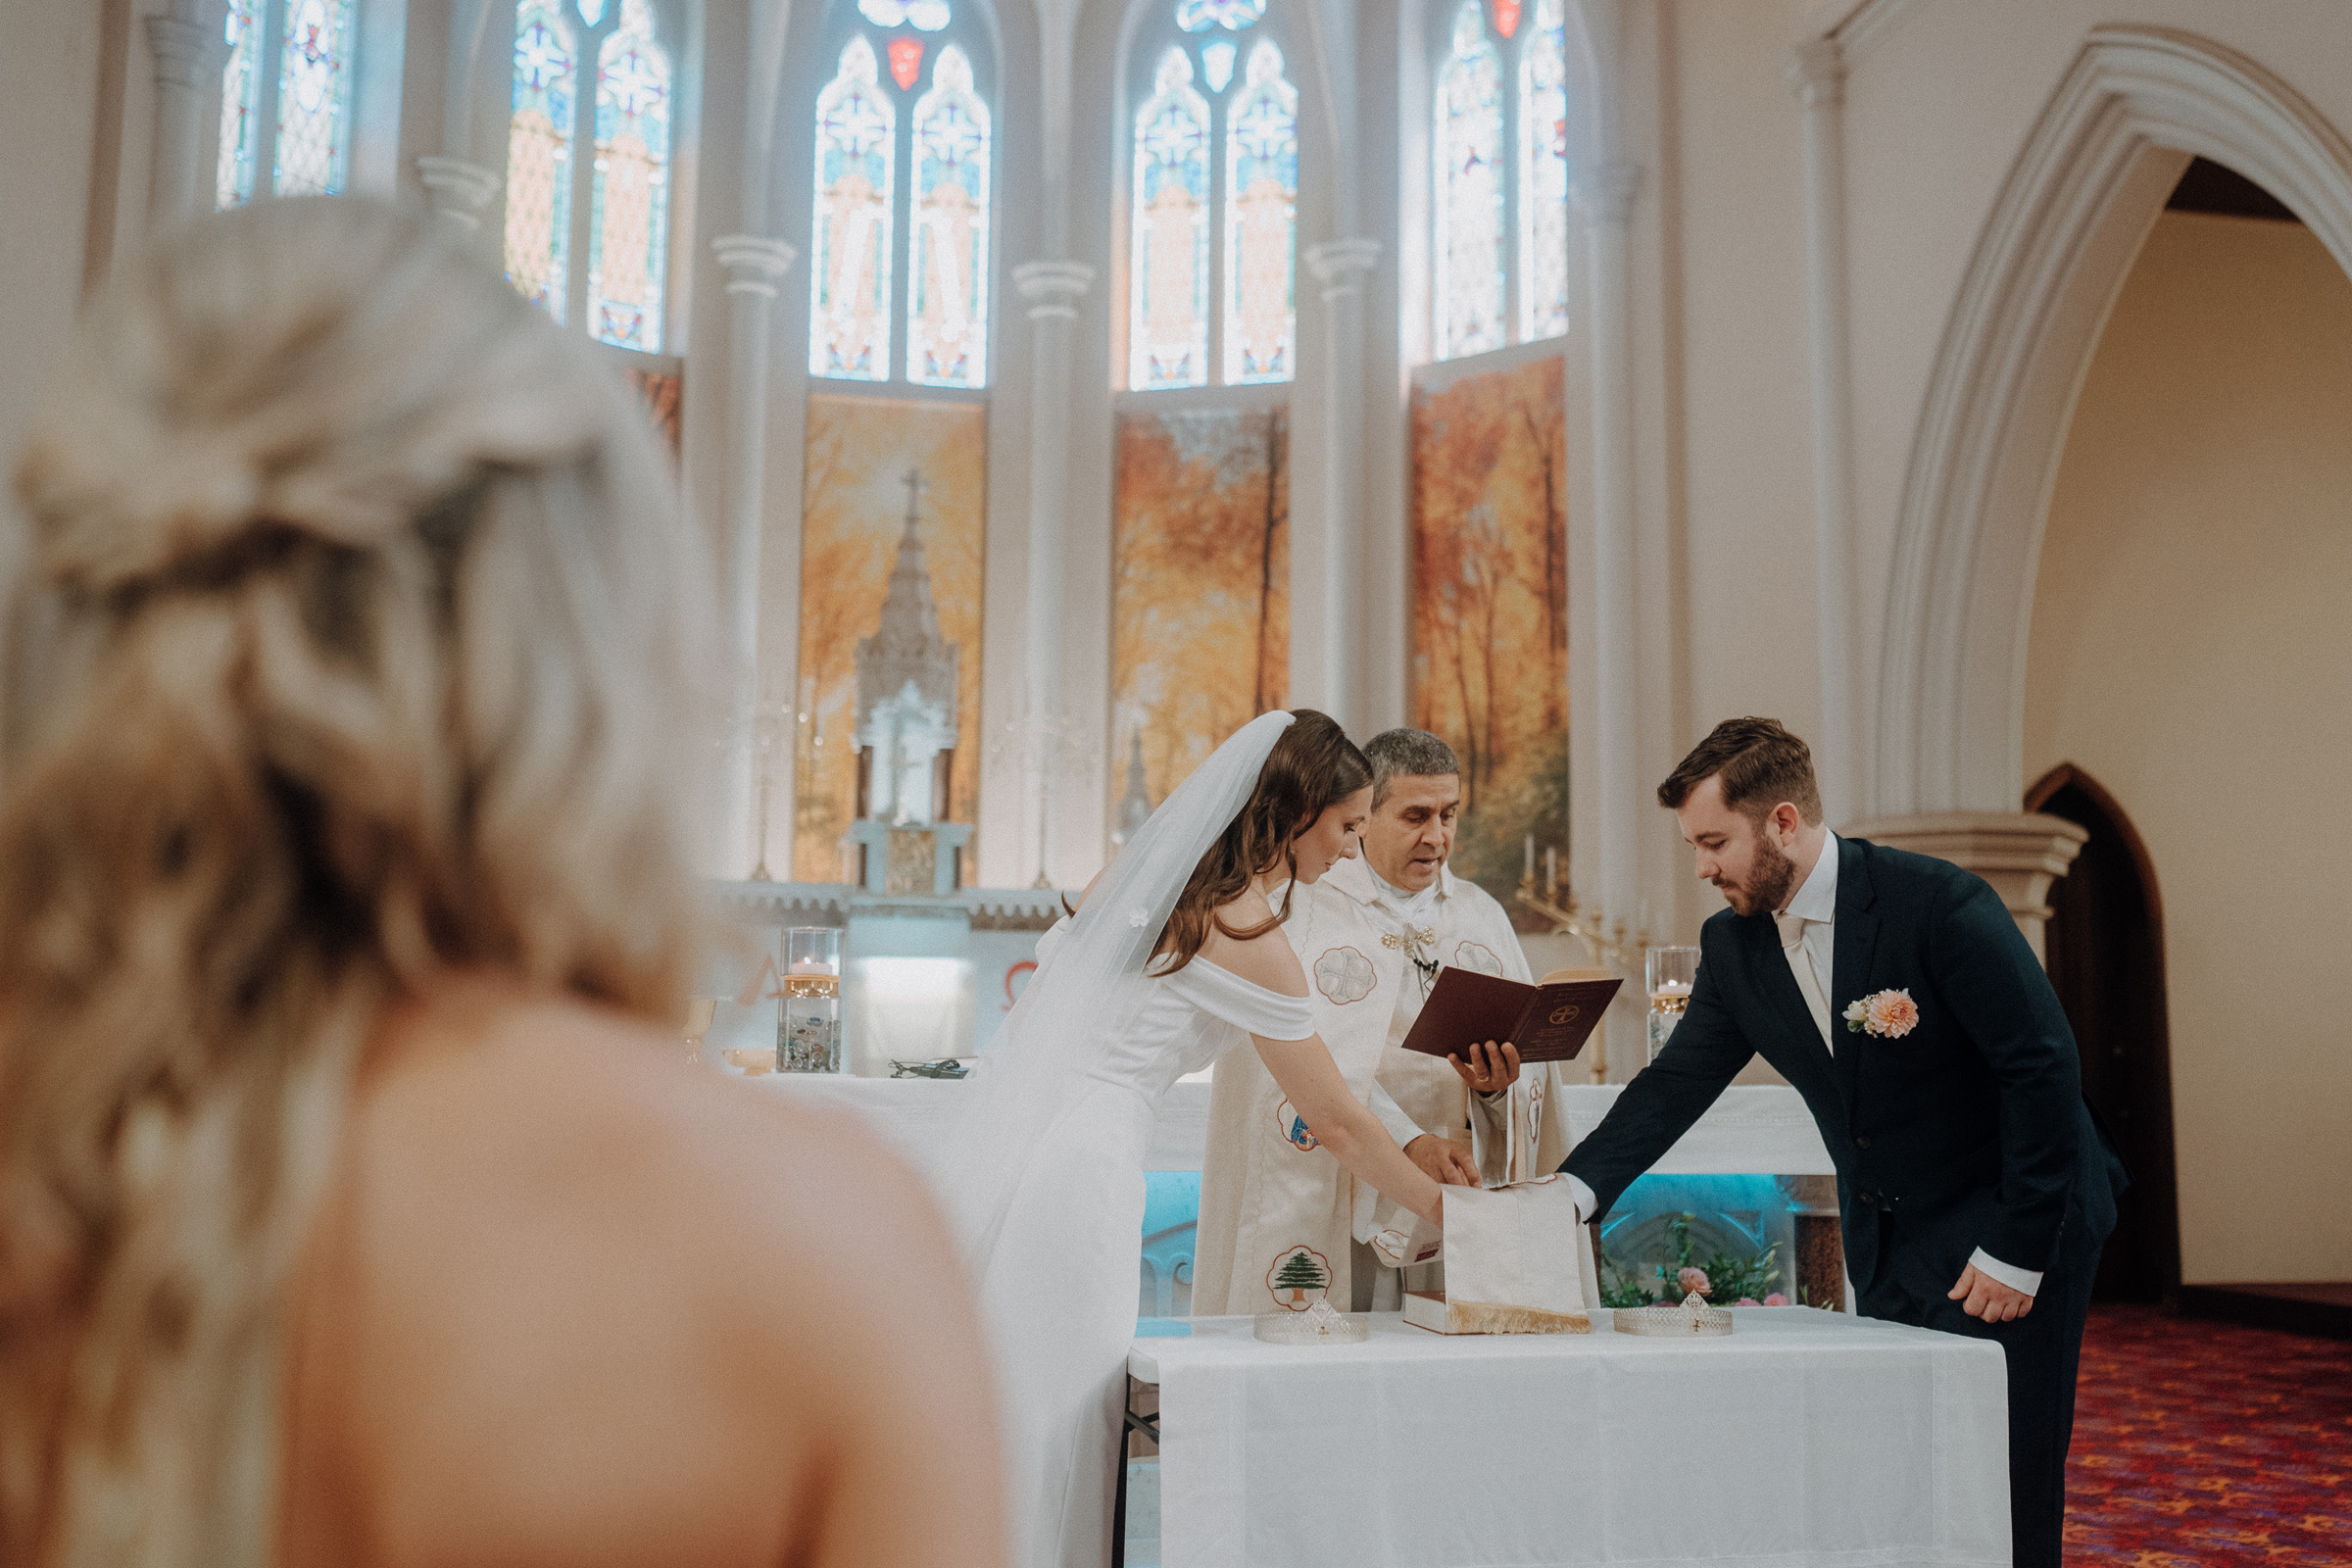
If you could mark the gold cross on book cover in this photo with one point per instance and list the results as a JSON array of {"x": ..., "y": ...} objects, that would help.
[{"x": 1548, "y": 1021}]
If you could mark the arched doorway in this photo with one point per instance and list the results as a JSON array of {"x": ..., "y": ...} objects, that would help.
[
  {"x": 2105, "y": 948},
  {"x": 2108, "y": 151}
]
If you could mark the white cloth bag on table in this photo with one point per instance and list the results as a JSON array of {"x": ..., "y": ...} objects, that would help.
[{"x": 1516, "y": 1260}]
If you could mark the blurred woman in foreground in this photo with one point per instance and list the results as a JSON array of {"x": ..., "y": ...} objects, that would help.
[{"x": 356, "y": 1205}]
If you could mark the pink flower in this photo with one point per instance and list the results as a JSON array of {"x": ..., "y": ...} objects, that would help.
[
  {"x": 1891, "y": 1015},
  {"x": 1776, "y": 1299},
  {"x": 1693, "y": 1278},
  {"x": 1747, "y": 1300}
]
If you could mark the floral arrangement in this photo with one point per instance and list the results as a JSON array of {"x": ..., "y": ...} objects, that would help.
[
  {"x": 1888, "y": 1014},
  {"x": 1723, "y": 1280}
]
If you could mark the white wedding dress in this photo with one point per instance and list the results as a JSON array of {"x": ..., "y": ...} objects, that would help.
[{"x": 1045, "y": 1166}]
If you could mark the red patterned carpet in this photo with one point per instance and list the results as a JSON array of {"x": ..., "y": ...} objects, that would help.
[{"x": 2206, "y": 1443}]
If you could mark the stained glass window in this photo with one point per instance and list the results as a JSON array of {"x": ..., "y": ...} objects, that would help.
[
  {"x": 314, "y": 99},
  {"x": 1543, "y": 177},
  {"x": 1199, "y": 15},
  {"x": 927, "y": 16},
  {"x": 240, "y": 92},
  {"x": 539, "y": 172},
  {"x": 947, "y": 325},
  {"x": 848, "y": 310},
  {"x": 1262, "y": 222},
  {"x": 1470, "y": 282},
  {"x": 1216, "y": 63},
  {"x": 1169, "y": 312},
  {"x": 628, "y": 213}
]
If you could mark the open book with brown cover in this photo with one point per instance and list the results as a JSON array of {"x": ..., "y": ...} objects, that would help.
[{"x": 1548, "y": 1021}]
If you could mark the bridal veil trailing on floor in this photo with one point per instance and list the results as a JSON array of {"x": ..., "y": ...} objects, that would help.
[{"x": 1046, "y": 1164}]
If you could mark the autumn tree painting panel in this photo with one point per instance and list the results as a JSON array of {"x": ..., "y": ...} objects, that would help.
[
  {"x": 1489, "y": 662},
  {"x": 1201, "y": 622},
  {"x": 858, "y": 454}
]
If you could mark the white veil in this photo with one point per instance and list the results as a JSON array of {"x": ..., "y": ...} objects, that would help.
[{"x": 1089, "y": 989}]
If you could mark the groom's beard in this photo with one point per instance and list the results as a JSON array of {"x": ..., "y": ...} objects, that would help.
[{"x": 1768, "y": 886}]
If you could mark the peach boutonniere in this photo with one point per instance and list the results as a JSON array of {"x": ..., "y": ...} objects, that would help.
[{"x": 1888, "y": 1014}]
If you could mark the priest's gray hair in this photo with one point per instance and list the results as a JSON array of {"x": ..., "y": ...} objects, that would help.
[{"x": 1409, "y": 753}]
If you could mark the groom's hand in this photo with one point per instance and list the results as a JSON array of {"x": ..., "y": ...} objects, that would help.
[
  {"x": 1988, "y": 1297},
  {"x": 1491, "y": 1069},
  {"x": 1441, "y": 1160}
]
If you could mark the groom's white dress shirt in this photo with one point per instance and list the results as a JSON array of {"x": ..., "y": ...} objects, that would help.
[{"x": 1808, "y": 929}]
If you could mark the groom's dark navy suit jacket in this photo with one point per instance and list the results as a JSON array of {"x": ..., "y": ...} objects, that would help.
[{"x": 1970, "y": 1131}]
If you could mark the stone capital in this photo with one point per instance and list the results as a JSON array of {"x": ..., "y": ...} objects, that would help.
[
  {"x": 185, "y": 49},
  {"x": 1605, "y": 192},
  {"x": 1053, "y": 288},
  {"x": 755, "y": 265},
  {"x": 1815, "y": 72},
  {"x": 1340, "y": 265},
  {"x": 459, "y": 190},
  {"x": 2020, "y": 853}
]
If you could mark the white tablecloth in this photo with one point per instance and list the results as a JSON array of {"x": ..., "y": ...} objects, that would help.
[
  {"x": 1752, "y": 1129},
  {"x": 1805, "y": 1440}
]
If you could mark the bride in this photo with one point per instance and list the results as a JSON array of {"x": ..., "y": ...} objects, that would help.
[{"x": 1175, "y": 956}]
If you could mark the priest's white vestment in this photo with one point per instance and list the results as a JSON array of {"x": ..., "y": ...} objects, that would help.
[{"x": 1279, "y": 1216}]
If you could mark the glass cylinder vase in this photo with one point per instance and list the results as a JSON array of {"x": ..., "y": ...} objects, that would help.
[
  {"x": 809, "y": 1018},
  {"x": 1670, "y": 973}
]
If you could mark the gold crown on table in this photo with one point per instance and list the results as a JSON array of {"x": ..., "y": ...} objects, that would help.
[{"x": 1668, "y": 1319}]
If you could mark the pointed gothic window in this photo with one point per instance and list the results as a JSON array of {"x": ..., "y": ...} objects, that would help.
[
  {"x": 1262, "y": 222},
  {"x": 848, "y": 308},
  {"x": 1211, "y": 156},
  {"x": 628, "y": 224},
  {"x": 240, "y": 103},
  {"x": 1543, "y": 176},
  {"x": 539, "y": 156},
  {"x": 947, "y": 325},
  {"x": 285, "y": 99},
  {"x": 1470, "y": 282},
  {"x": 900, "y": 246},
  {"x": 314, "y": 99},
  {"x": 610, "y": 203},
  {"x": 1169, "y": 332}
]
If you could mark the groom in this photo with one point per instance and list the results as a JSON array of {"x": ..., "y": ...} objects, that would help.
[{"x": 1894, "y": 993}]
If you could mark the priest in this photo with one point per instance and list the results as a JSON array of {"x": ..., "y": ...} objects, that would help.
[{"x": 1372, "y": 935}]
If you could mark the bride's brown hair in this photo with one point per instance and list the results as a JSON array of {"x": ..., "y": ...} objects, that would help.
[
  {"x": 1312, "y": 767},
  {"x": 358, "y": 644}
]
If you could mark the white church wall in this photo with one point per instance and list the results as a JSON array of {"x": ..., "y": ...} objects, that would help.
[
  {"x": 2188, "y": 651},
  {"x": 1939, "y": 100},
  {"x": 49, "y": 78},
  {"x": 1745, "y": 428}
]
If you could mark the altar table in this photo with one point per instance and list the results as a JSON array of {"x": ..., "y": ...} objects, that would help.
[{"x": 1804, "y": 1440}]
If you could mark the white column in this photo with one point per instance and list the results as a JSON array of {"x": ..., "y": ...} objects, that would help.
[
  {"x": 1605, "y": 197},
  {"x": 1052, "y": 290},
  {"x": 460, "y": 191},
  {"x": 1340, "y": 266},
  {"x": 190, "y": 51},
  {"x": 1816, "y": 72},
  {"x": 755, "y": 266}
]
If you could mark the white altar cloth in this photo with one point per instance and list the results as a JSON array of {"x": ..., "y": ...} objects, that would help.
[
  {"x": 1805, "y": 1440},
  {"x": 1752, "y": 1129}
]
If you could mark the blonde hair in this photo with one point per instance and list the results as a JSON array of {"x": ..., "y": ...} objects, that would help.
[{"x": 354, "y": 646}]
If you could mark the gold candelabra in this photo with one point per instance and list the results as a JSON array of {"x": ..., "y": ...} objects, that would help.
[{"x": 1609, "y": 942}]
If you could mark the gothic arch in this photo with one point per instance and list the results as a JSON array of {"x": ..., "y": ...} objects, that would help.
[{"x": 2136, "y": 104}]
